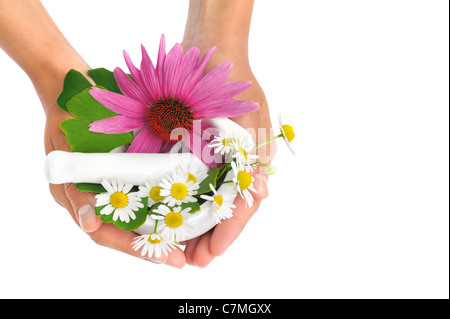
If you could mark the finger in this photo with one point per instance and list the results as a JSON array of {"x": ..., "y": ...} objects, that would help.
[
  {"x": 202, "y": 256},
  {"x": 83, "y": 204},
  {"x": 59, "y": 195},
  {"x": 112, "y": 237},
  {"x": 227, "y": 232},
  {"x": 189, "y": 251}
]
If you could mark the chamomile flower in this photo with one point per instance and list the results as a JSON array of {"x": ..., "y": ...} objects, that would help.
[
  {"x": 222, "y": 144},
  {"x": 242, "y": 156},
  {"x": 153, "y": 245},
  {"x": 178, "y": 189},
  {"x": 196, "y": 172},
  {"x": 221, "y": 202},
  {"x": 287, "y": 132},
  {"x": 119, "y": 200},
  {"x": 228, "y": 144},
  {"x": 152, "y": 191},
  {"x": 244, "y": 183},
  {"x": 173, "y": 221}
]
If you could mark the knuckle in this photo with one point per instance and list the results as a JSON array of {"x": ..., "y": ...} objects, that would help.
[
  {"x": 98, "y": 240},
  {"x": 70, "y": 189},
  {"x": 54, "y": 191},
  {"x": 58, "y": 194}
]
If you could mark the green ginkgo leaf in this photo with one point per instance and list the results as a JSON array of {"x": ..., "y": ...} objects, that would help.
[
  {"x": 74, "y": 83},
  {"x": 85, "y": 107},
  {"x": 80, "y": 139}
]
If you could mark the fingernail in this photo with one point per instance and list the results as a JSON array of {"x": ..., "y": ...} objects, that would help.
[
  {"x": 152, "y": 261},
  {"x": 261, "y": 185},
  {"x": 86, "y": 217}
]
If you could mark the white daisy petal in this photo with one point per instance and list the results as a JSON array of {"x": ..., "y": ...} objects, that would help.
[
  {"x": 107, "y": 210},
  {"x": 154, "y": 245},
  {"x": 127, "y": 188},
  {"x": 116, "y": 214},
  {"x": 114, "y": 186},
  {"x": 206, "y": 197},
  {"x": 102, "y": 199},
  {"x": 118, "y": 201},
  {"x": 107, "y": 185}
]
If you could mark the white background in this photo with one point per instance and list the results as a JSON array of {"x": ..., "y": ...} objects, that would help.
[{"x": 362, "y": 212}]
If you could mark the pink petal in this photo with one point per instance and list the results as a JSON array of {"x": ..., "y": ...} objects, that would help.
[
  {"x": 211, "y": 81},
  {"x": 225, "y": 91},
  {"x": 197, "y": 74},
  {"x": 226, "y": 108},
  {"x": 171, "y": 69},
  {"x": 119, "y": 103},
  {"x": 128, "y": 87},
  {"x": 161, "y": 59},
  {"x": 166, "y": 147},
  {"x": 189, "y": 64},
  {"x": 135, "y": 73},
  {"x": 202, "y": 134},
  {"x": 145, "y": 142},
  {"x": 117, "y": 124},
  {"x": 149, "y": 76},
  {"x": 137, "y": 77}
]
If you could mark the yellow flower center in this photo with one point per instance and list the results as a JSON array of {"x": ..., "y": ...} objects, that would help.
[
  {"x": 174, "y": 220},
  {"x": 288, "y": 132},
  {"x": 119, "y": 200},
  {"x": 242, "y": 151},
  {"x": 154, "y": 193},
  {"x": 179, "y": 191},
  {"x": 191, "y": 178},
  {"x": 218, "y": 200},
  {"x": 244, "y": 179},
  {"x": 228, "y": 141},
  {"x": 157, "y": 239}
]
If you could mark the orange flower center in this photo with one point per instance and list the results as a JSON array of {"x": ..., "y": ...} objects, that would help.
[{"x": 170, "y": 119}]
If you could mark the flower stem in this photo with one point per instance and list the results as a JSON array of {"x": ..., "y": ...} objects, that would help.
[
  {"x": 226, "y": 182},
  {"x": 223, "y": 170},
  {"x": 266, "y": 142},
  {"x": 261, "y": 163}
]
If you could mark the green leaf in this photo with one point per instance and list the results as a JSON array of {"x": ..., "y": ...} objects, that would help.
[
  {"x": 141, "y": 217},
  {"x": 97, "y": 188},
  {"x": 80, "y": 139},
  {"x": 74, "y": 83},
  {"x": 195, "y": 207},
  {"x": 210, "y": 179},
  {"x": 92, "y": 188},
  {"x": 85, "y": 107},
  {"x": 105, "y": 78}
]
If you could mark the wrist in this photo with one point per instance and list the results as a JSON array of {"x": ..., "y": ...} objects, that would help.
[
  {"x": 225, "y": 23},
  {"x": 48, "y": 73},
  {"x": 31, "y": 38}
]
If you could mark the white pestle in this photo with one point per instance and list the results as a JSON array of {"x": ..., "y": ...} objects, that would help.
[
  {"x": 133, "y": 168},
  {"x": 130, "y": 168}
]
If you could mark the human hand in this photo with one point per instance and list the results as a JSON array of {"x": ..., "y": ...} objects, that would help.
[
  {"x": 30, "y": 37},
  {"x": 80, "y": 205},
  {"x": 51, "y": 58},
  {"x": 205, "y": 30}
]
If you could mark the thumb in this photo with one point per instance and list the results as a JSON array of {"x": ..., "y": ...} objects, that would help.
[{"x": 83, "y": 204}]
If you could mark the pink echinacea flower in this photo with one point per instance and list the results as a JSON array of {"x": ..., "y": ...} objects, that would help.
[{"x": 171, "y": 96}]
